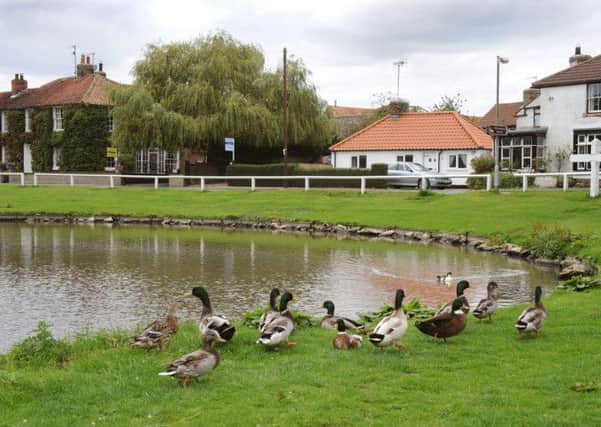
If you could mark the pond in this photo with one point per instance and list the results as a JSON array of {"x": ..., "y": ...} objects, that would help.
[{"x": 78, "y": 277}]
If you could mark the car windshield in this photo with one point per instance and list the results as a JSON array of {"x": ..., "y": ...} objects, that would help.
[{"x": 417, "y": 167}]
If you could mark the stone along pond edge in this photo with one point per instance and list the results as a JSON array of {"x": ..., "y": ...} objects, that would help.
[{"x": 568, "y": 267}]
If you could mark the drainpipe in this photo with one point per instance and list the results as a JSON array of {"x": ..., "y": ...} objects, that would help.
[{"x": 438, "y": 162}]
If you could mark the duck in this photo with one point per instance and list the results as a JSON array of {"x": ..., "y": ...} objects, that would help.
[
  {"x": 197, "y": 363},
  {"x": 268, "y": 316},
  {"x": 344, "y": 341},
  {"x": 445, "y": 325},
  {"x": 533, "y": 318},
  {"x": 210, "y": 320},
  {"x": 487, "y": 306},
  {"x": 159, "y": 332},
  {"x": 391, "y": 328},
  {"x": 281, "y": 326},
  {"x": 462, "y": 285},
  {"x": 330, "y": 321},
  {"x": 445, "y": 279}
]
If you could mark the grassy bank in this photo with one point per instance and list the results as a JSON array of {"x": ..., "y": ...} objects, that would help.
[
  {"x": 508, "y": 216},
  {"x": 482, "y": 377}
]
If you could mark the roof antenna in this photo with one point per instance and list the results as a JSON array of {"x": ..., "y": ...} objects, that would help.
[{"x": 74, "y": 60}]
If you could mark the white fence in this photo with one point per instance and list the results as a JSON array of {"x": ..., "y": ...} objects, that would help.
[
  {"x": 155, "y": 179},
  {"x": 565, "y": 175}
]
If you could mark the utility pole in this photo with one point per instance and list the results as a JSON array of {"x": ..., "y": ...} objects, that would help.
[
  {"x": 398, "y": 65},
  {"x": 500, "y": 60},
  {"x": 285, "y": 117},
  {"x": 74, "y": 60}
]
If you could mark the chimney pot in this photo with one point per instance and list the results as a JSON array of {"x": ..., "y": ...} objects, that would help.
[
  {"x": 577, "y": 51},
  {"x": 82, "y": 59},
  {"x": 87, "y": 60},
  {"x": 18, "y": 84},
  {"x": 398, "y": 106}
]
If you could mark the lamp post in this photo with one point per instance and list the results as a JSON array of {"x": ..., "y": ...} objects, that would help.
[
  {"x": 500, "y": 60},
  {"x": 398, "y": 64}
]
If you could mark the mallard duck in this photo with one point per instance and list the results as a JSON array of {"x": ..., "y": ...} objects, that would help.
[
  {"x": 330, "y": 321},
  {"x": 159, "y": 332},
  {"x": 487, "y": 306},
  {"x": 445, "y": 325},
  {"x": 445, "y": 279},
  {"x": 197, "y": 363},
  {"x": 533, "y": 318},
  {"x": 210, "y": 320},
  {"x": 461, "y": 287},
  {"x": 344, "y": 341},
  {"x": 391, "y": 328},
  {"x": 281, "y": 326},
  {"x": 268, "y": 316}
]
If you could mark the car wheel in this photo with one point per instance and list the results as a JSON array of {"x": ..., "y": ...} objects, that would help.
[{"x": 419, "y": 184}]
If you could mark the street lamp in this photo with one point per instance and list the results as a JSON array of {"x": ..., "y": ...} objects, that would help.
[
  {"x": 500, "y": 60},
  {"x": 398, "y": 64}
]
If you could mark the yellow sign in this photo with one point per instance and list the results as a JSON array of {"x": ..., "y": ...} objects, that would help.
[{"x": 111, "y": 152}]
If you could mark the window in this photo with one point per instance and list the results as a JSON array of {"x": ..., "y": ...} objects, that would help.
[
  {"x": 594, "y": 98},
  {"x": 110, "y": 123},
  {"x": 154, "y": 161},
  {"x": 56, "y": 158},
  {"x": 57, "y": 116},
  {"x": 354, "y": 162},
  {"x": 457, "y": 161},
  {"x": 28, "y": 120},
  {"x": 404, "y": 158},
  {"x": 522, "y": 152},
  {"x": 4, "y": 122},
  {"x": 362, "y": 162},
  {"x": 3, "y": 154},
  {"x": 583, "y": 145}
]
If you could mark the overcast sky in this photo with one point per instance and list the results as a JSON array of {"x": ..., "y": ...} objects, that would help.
[{"x": 349, "y": 45}]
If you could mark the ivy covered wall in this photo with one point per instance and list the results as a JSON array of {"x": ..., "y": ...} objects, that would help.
[{"x": 82, "y": 143}]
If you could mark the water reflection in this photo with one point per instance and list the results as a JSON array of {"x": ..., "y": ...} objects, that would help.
[{"x": 104, "y": 277}]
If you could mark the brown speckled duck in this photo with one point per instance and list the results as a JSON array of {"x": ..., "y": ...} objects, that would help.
[
  {"x": 533, "y": 318},
  {"x": 344, "y": 341},
  {"x": 159, "y": 332}
]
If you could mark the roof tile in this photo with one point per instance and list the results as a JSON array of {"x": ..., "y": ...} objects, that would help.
[{"x": 585, "y": 72}]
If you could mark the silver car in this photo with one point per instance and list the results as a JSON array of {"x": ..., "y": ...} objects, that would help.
[{"x": 410, "y": 174}]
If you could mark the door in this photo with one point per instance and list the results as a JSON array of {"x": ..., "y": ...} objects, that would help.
[
  {"x": 431, "y": 160},
  {"x": 27, "y": 158}
]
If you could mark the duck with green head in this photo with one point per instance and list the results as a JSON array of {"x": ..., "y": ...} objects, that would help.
[
  {"x": 344, "y": 341},
  {"x": 532, "y": 319},
  {"x": 445, "y": 325},
  {"x": 330, "y": 320},
  {"x": 391, "y": 328},
  {"x": 462, "y": 285},
  {"x": 281, "y": 326},
  {"x": 208, "y": 319}
]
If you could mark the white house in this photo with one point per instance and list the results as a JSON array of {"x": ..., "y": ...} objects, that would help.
[
  {"x": 445, "y": 142},
  {"x": 563, "y": 119}
]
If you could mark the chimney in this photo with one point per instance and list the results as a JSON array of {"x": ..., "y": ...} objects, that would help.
[
  {"x": 18, "y": 84},
  {"x": 84, "y": 68},
  {"x": 578, "y": 57},
  {"x": 101, "y": 69},
  {"x": 397, "y": 107},
  {"x": 530, "y": 95}
]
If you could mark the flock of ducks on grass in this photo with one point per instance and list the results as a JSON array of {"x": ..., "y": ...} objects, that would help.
[{"x": 277, "y": 324}]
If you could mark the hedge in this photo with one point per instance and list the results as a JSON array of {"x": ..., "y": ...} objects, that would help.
[{"x": 277, "y": 169}]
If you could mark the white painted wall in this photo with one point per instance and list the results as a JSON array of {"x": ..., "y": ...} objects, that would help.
[
  {"x": 437, "y": 160},
  {"x": 562, "y": 110}
]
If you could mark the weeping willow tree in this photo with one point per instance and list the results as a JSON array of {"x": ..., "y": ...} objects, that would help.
[{"x": 194, "y": 94}]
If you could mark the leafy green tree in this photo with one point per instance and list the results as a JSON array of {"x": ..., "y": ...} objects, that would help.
[
  {"x": 450, "y": 103},
  {"x": 194, "y": 94}
]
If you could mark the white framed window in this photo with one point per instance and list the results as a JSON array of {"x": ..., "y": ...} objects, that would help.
[
  {"x": 583, "y": 146},
  {"x": 4, "y": 122},
  {"x": 457, "y": 161},
  {"x": 354, "y": 162},
  {"x": 109, "y": 166},
  {"x": 362, "y": 162},
  {"x": 27, "y": 120},
  {"x": 57, "y": 119},
  {"x": 110, "y": 123},
  {"x": 594, "y": 98},
  {"x": 56, "y": 158},
  {"x": 156, "y": 162},
  {"x": 404, "y": 158}
]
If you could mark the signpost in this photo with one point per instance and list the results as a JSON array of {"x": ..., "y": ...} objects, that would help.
[
  {"x": 594, "y": 158},
  {"x": 498, "y": 130},
  {"x": 230, "y": 145},
  {"x": 111, "y": 152}
]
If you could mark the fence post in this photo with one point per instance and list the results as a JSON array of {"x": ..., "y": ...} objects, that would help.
[
  {"x": 202, "y": 183},
  {"x": 488, "y": 183},
  {"x": 424, "y": 184},
  {"x": 565, "y": 182},
  {"x": 71, "y": 180},
  {"x": 23, "y": 179},
  {"x": 252, "y": 184},
  {"x": 156, "y": 182},
  {"x": 35, "y": 179},
  {"x": 111, "y": 181},
  {"x": 524, "y": 183},
  {"x": 306, "y": 183},
  {"x": 362, "y": 185}
]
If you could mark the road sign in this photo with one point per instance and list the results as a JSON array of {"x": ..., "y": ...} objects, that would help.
[
  {"x": 230, "y": 144},
  {"x": 497, "y": 130},
  {"x": 111, "y": 152}
]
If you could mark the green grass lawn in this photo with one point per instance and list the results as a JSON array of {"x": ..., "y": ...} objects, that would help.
[
  {"x": 510, "y": 215},
  {"x": 481, "y": 377}
]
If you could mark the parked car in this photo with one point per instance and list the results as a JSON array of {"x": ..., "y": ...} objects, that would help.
[{"x": 410, "y": 174}]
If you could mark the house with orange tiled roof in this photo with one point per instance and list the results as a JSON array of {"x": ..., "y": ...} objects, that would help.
[
  {"x": 89, "y": 88},
  {"x": 444, "y": 142},
  {"x": 347, "y": 118}
]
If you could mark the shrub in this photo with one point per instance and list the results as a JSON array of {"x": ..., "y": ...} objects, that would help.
[
  {"x": 580, "y": 283},
  {"x": 552, "y": 243},
  {"x": 485, "y": 163},
  {"x": 301, "y": 320},
  {"x": 413, "y": 310},
  {"x": 40, "y": 348}
]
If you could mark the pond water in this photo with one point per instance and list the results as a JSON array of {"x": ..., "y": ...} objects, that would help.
[{"x": 78, "y": 277}]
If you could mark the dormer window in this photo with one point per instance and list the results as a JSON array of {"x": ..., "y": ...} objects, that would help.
[
  {"x": 4, "y": 122},
  {"x": 57, "y": 119},
  {"x": 28, "y": 120},
  {"x": 594, "y": 98}
]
